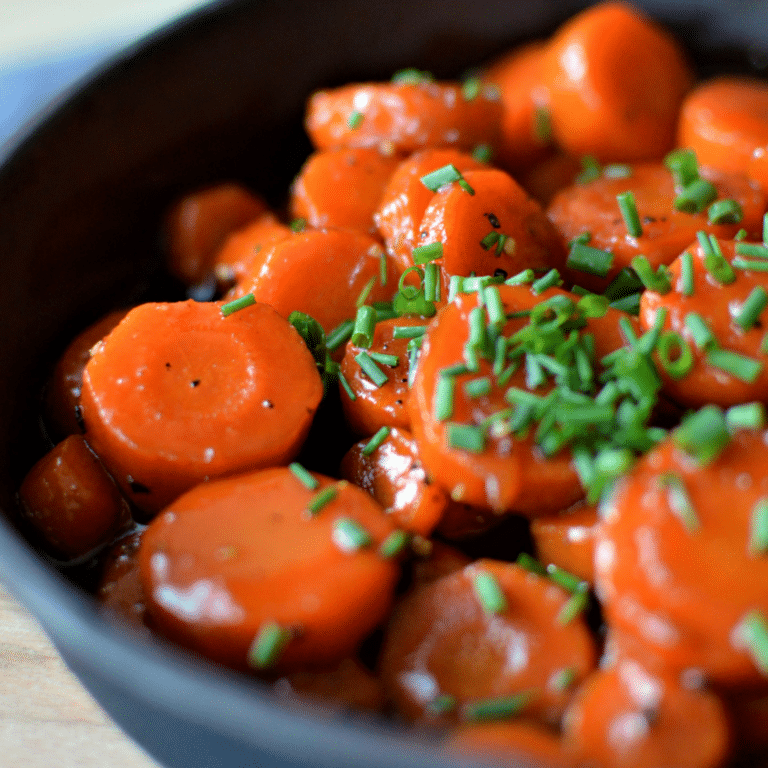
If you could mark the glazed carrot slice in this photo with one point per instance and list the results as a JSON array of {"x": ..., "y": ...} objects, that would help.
[
  {"x": 62, "y": 397},
  {"x": 441, "y": 560},
  {"x": 393, "y": 475},
  {"x": 378, "y": 403},
  {"x": 547, "y": 177},
  {"x": 288, "y": 578},
  {"x": 495, "y": 228},
  {"x": 676, "y": 573},
  {"x": 405, "y": 198},
  {"x": 320, "y": 272},
  {"x": 465, "y": 521},
  {"x": 342, "y": 187},
  {"x": 526, "y": 132},
  {"x": 567, "y": 539},
  {"x": 593, "y": 209},
  {"x": 479, "y": 619},
  {"x": 725, "y": 121},
  {"x": 721, "y": 311},
  {"x": 120, "y": 591},
  {"x": 198, "y": 224},
  {"x": 616, "y": 83},
  {"x": 72, "y": 502},
  {"x": 403, "y": 116},
  {"x": 625, "y": 717},
  {"x": 179, "y": 393}
]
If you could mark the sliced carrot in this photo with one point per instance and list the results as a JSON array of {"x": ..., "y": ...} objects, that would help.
[
  {"x": 342, "y": 187},
  {"x": 616, "y": 82},
  {"x": 72, "y": 502},
  {"x": 321, "y": 272},
  {"x": 120, "y": 592},
  {"x": 498, "y": 620},
  {"x": 441, "y": 560},
  {"x": 592, "y": 208},
  {"x": 406, "y": 197},
  {"x": 567, "y": 539},
  {"x": 393, "y": 475},
  {"x": 287, "y": 578},
  {"x": 526, "y": 133},
  {"x": 494, "y": 228},
  {"x": 718, "y": 306},
  {"x": 465, "y": 521},
  {"x": 178, "y": 393},
  {"x": 547, "y": 177},
  {"x": 625, "y": 717},
  {"x": 725, "y": 121},
  {"x": 676, "y": 573},
  {"x": 62, "y": 397},
  {"x": 198, "y": 224},
  {"x": 403, "y": 117}
]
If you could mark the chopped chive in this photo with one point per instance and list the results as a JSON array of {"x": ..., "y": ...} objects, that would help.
[
  {"x": 568, "y": 581},
  {"x": 371, "y": 370},
  {"x": 423, "y": 254},
  {"x": 617, "y": 171},
  {"x": 745, "y": 416},
  {"x": 465, "y": 437},
  {"x": 309, "y": 481},
  {"x": 576, "y": 604},
  {"x": 758, "y": 528},
  {"x": 408, "y": 331},
  {"x": 674, "y": 354},
  {"x": 521, "y": 278},
  {"x": 489, "y": 592},
  {"x": 752, "y": 249},
  {"x": 530, "y": 563},
  {"x": 755, "y": 265},
  {"x": 354, "y": 119},
  {"x": 725, "y": 212},
  {"x": 478, "y": 387},
  {"x": 383, "y": 268},
  {"x": 322, "y": 499},
  {"x": 413, "y": 359},
  {"x": 381, "y": 435},
  {"x": 741, "y": 235},
  {"x": 680, "y": 502},
  {"x": 714, "y": 261},
  {"x": 686, "y": 274},
  {"x": 628, "y": 208},
  {"x": 444, "y": 397},
  {"x": 298, "y": 225},
  {"x": 585, "y": 258},
  {"x": 625, "y": 283},
  {"x": 347, "y": 388},
  {"x": 470, "y": 88},
  {"x": 657, "y": 281},
  {"x": 349, "y": 536},
  {"x": 593, "y": 305},
  {"x": 739, "y": 366},
  {"x": 441, "y": 705},
  {"x": 234, "y": 306},
  {"x": 364, "y": 327},
  {"x": 431, "y": 282},
  {"x": 457, "y": 369},
  {"x": 340, "y": 334},
  {"x": 542, "y": 124},
  {"x": 482, "y": 153},
  {"x": 440, "y": 177},
  {"x": 464, "y": 184},
  {"x": 590, "y": 170},
  {"x": 501, "y": 708},
  {"x": 683, "y": 165},
  {"x": 563, "y": 679},
  {"x": 629, "y": 304},
  {"x": 394, "y": 544},
  {"x": 412, "y": 76},
  {"x": 549, "y": 280},
  {"x": 494, "y": 306},
  {"x": 753, "y": 631},
  {"x": 700, "y": 331},
  {"x": 695, "y": 196},
  {"x": 384, "y": 358},
  {"x": 703, "y": 434},
  {"x": 490, "y": 240},
  {"x": 268, "y": 645},
  {"x": 749, "y": 313}
]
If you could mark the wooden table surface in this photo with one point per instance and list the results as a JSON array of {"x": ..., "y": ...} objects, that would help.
[{"x": 46, "y": 717}]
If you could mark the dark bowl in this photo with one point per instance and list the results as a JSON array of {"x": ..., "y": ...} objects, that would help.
[{"x": 82, "y": 192}]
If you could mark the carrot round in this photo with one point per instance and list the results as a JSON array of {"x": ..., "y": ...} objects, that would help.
[
  {"x": 725, "y": 121},
  {"x": 462, "y": 521},
  {"x": 197, "y": 225},
  {"x": 120, "y": 593},
  {"x": 258, "y": 571},
  {"x": 393, "y": 475},
  {"x": 342, "y": 187},
  {"x": 180, "y": 393},
  {"x": 404, "y": 117},
  {"x": 616, "y": 82},
  {"x": 72, "y": 502},
  {"x": 543, "y": 180},
  {"x": 480, "y": 619},
  {"x": 441, "y": 560}
]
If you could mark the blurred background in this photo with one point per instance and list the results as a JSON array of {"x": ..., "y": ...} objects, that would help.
[{"x": 48, "y": 45}]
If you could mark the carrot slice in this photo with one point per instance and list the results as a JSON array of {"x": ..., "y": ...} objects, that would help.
[
  {"x": 593, "y": 208},
  {"x": 320, "y": 272},
  {"x": 719, "y": 307},
  {"x": 479, "y": 619},
  {"x": 281, "y": 582},
  {"x": 406, "y": 197},
  {"x": 179, "y": 393},
  {"x": 725, "y": 121},
  {"x": 198, "y": 224},
  {"x": 441, "y": 560},
  {"x": 546, "y": 178},
  {"x": 120, "y": 591},
  {"x": 342, "y": 187},
  {"x": 464, "y": 521},
  {"x": 403, "y": 117},
  {"x": 72, "y": 502},
  {"x": 616, "y": 83},
  {"x": 393, "y": 475}
]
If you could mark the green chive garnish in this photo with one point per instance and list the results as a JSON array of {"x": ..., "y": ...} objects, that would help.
[
  {"x": 408, "y": 331},
  {"x": 739, "y": 366},
  {"x": 576, "y": 604},
  {"x": 298, "y": 225},
  {"x": 568, "y": 581},
  {"x": 233, "y": 306},
  {"x": 703, "y": 434},
  {"x": 563, "y": 679},
  {"x": 489, "y": 592},
  {"x": 381, "y": 435},
  {"x": 347, "y": 388},
  {"x": 364, "y": 327},
  {"x": 412, "y": 76},
  {"x": 585, "y": 258},
  {"x": 725, "y": 212},
  {"x": 549, "y": 280},
  {"x": 339, "y": 335},
  {"x": 466, "y": 437},
  {"x": 500, "y": 708},
  {"x": 384, "y": 358},
  {"x": 686, "y": 274},
  {"x": 370, "y": 369},
  {"x": 714, "y": 261},
  {"x": 423, "y": 254},
  {"x": 657, "y": 281},
  {"x": 444, "y": 396},
  {"x": 431, "y": 282},
  {"x": 349, "y": 536},
  {"x": 542, "y": 124},
  {"x": 745, "y": 416},
  {"x": 683, "y": 165},
  {"x": 758, "y": 528},
  {"x": 304, "y": 476},
  {"x": 696, "y": 196},
  {"x": 441, "y": 705},
  {"x": 628, "y": 208},
  {"x": 530, "y": 563},
  {"x": 753, "y": 630},
  {"x": 470, "y": 88},
  {"x": 752, "y": 249},
  {"x": 394, "y": 544},
  {"x": 755, "y": 265},
  {"x": 680, "y": 502},
  {"x": 366, "y": 292},
  {"x": 482, "y": 153},
  {"x": 477, "y": 387},
  {"x": 750, "y": 310},
  {"x": 268, "y": 645},
  {"x": 440, "y": 177},
  {"x": 590, "y": 170},
  {"x": 521, "y": 278},
  {"x": 674, "y": 354},
  {"x": 700, "y": 331},
  {"x": 354, "y": 119},
  {"x": 321, "y": 499}
]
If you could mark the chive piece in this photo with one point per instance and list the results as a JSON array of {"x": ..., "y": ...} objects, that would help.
[
  {"x": 725, "y": 212},
  {"x": 383, "y": 268},
  {"x": 563, "y": 679},
  {"x": 758, "y": 528},
  {"x": 238, "y": 304},
  {"x": 322, "y": 499},
  {"x": 695, "y": 197},
  {"x": 585, "y": 258},
  {"x": 414, "y": 346},
  {"x": 739, "y": 366},
  {"x": 465, "y": 437},
  {"x": 674, "y": 354},
  {"x": 590, "y": 170},
  {"x": 408, "y": 331},
  {"x": 494, "y": 306},
  {"x": 347, "y": 388},
  {"x": 431, "y": 282},
  {"x": 628, "y": 208},
  {"x": 354, "y": 119},
  {"x": 756, "y": 265},
  {"x": 309, "y": 481},
  {"x": 489, "y": 592},
  {"x": 444, "y": 397},
  {"x": 339, "y": 335},
  {"x": 625, "y": 283},
  {"x": 703, "y": 434},
  {"x": 714, "y": 261},
  {"x": 521, "y": 278},
  {"x": 740, "y": 235},
  {"x": 530, "y": 563},
  {"x": 745, "y": 416},
  {"x": 576, "y": 604},
  {"x": 700, "y": 332},
  {"x": 412, "y": 76},
  {"x": 384, "y": 358},
  {"x": 470, "y": 88},
  {"x": 753, "y": 630},
  {"x": 629, "y": 304},
  {"x": 371, "y": 370},
  {"x": 268, "y": 645},
  {"x": 477, "y": 387},
  {"x": 752, "y": 249},
  {"x": 349, "y": 536},
  {"x": 464, "y": 184},
  {"x": 423, "y": 254},
  {"x": 491, "y": 239},
  {"x": 298, "y": 225},
  {"x": 364, "y": 327},
  {"x": 549, "y": 280},
  {"x": 542, "y": 124},
  {"x": 568, "y": 581},
  {"x": 749, "y": 313},
  {"x": 657, "y": 281},
  {"x": 381, "y": 435},
  {"x": 617, "y": 171},
  {"x": 500, "y": 708},
  {"x": 366, "y": 292},
  {"x": 457, "y": 369},
  {"x": 440, "y": 177},
  {"x": 683, "y": 165},
  {"x": 686, "y": 274},
  {"x": 680, "y": 502},
  {"x": 482, "y": 153},
  {"x": 441, "y": 705},
  {"x": 394, "y": 544}
]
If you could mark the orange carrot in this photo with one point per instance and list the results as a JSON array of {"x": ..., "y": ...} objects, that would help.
[
  {"x": 547, "y": 177},
  {"x": 120, "y": 592}
]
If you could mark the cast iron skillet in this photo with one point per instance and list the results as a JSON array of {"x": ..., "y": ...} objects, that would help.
[{"x": 82, "y": 191}]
